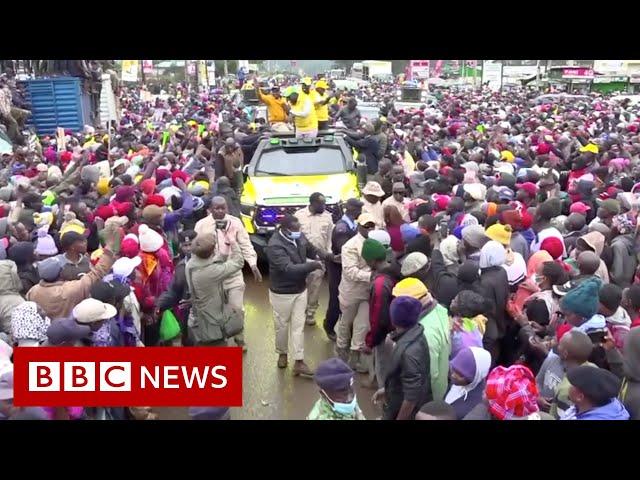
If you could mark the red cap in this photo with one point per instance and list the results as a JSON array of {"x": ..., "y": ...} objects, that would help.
[
  {"x": 530, "y": 188},
  {"x": 155, "y": 199},
  {"x": 579, "y": 207}
]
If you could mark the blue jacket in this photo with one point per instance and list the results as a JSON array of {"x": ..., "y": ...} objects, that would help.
[{"x": 614, "y": 410}]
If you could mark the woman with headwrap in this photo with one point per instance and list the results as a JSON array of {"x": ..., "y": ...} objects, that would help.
[
  {"x": 29, "y": 325},
  {"x": 23, "y": 254},
  {"x": 510, "y": 394},
  {"x": 494, "y": 278},
  {"x": 467, "y": 371}
]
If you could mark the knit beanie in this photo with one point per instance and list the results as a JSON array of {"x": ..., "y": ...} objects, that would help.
[
  {"x": 152, "y": 214},
  {"x": 583, "y": 300},
  {"x": 405, "y": 311},
  {"x": 372, "y": 250},
  {"x": 554, "y": 246},
  {"x": 499, "y": 233},
  {"x": 103, "y": 186},
  {"x": 411, "y": 287},
  {"x": 130, "y": 246},
  {"x": 464, "y": 364},
  {"x": 45, "y": 244},
  {"x": 150, "y": 240}
]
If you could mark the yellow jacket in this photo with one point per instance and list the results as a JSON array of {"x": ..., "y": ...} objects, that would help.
[
  {"x": 322, "y": 111},
  {"x": 304, "y": 114}
]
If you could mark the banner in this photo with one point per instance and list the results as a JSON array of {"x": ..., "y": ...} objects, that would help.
[
  {"x": 147, "y": 66},
  {"x": 130, "y": 70},
  {"x": 492, "y": 75},
  {"x": 202, "y": 73},
  {"x": 437, "y": 70},
  {"x": 419, "y": 69}
]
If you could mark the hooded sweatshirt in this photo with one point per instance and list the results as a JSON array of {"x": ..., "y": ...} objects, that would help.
[
  {"x": 464, "y": 398},
  {"x": 619, "y": 324},
  {"x": 10, "y": 286},
  {"x": 624, "y": 260},
  {"x": 630, "y": 391},
  {"x": 596, "y": 241},
  {"x": 614, "y": 410}
]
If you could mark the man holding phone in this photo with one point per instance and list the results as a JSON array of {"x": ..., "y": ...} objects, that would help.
[{"x": 229, "y": 230}]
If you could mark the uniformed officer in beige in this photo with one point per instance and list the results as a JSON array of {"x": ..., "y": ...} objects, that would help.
[{"x": 317, "y": 225}]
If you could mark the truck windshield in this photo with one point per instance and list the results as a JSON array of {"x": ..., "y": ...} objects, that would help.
[{"x": 313, "y": 160}]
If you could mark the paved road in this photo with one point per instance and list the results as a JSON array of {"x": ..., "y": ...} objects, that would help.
[{"x": 271, "y": 393}]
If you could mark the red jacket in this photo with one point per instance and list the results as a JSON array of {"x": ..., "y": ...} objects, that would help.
[{"x": 380, "y": 297}]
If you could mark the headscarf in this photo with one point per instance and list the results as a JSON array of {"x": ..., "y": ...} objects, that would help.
[
  {"x": 511, "y": 392},
  {"x": 492, "y": 254},
  {"x": 536, "y": 260},
  {"x": 482, "y": 360},
  {"x": 27, "y": 324}
]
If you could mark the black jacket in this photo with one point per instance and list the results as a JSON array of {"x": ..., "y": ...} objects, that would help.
[
  {"x": 444, "y": 283},
  {"x": 288, "y": 266},
  {"x": 341, "y": 234},
  {"x": 178, "y": 289},
  {"x": 408, "y": 377},
  {"x": 495, "y": 281}
]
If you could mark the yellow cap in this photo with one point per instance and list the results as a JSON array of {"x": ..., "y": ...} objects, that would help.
[
  {"x": 322, "y": 84},
  {"x": 306, "y": 81},
  {"x": 411, "y": 287},
  {"x": 507, "y": 155},
  {"x": 590, "y": 147},
  {"x": 499, "y": 233},
  {"x": 72, "y": 226},
  {"x": 103, "y": 186}
]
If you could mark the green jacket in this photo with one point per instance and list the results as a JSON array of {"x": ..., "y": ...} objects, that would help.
[
  {"x": 435, "y": 321},
  {"x": 322, "y": 411}
]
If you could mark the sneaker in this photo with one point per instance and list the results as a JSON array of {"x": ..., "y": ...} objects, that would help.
[
  {"x": 282, "y": 360},
  {"x": 301, "y": 368},
  {"x": 310, "y": 320}
]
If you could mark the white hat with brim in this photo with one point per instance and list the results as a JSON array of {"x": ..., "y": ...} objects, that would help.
[
  {"x": 125, "y": 266},
  {"x": 91, "y": 310},
  {"x": 373, "y": 188}
]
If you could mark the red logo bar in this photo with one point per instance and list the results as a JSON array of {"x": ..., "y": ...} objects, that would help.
[{"x": 111, "y": 377}]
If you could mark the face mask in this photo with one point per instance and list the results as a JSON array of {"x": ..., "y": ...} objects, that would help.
[
  {"x": 343, "y": 408},
  {"x": 294, "y": 235},
  {"x": 538, "y": 279}
]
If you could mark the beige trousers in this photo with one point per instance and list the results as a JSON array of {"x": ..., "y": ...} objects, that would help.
[
  {"x": 235, "y": 297},
  {"x": 314, "y": 282},
  {"x": 353, "y": 325},
  {"x": 288, "y": 317}
]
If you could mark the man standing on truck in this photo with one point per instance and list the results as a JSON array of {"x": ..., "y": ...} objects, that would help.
[
  {"x": 229, "y": 230},
  {"x": 276, "y": 105},
  {"x": 316, "y": 224},
  {"x": 303, "y": 113},
  {"x": 350, "y": 115},
  {"x": 320, "y": 101}
]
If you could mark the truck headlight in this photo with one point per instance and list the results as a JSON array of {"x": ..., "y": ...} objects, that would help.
[{"x": 247, "y": 209}]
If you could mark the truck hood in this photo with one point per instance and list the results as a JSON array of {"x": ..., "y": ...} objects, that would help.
[{"x": 296, "y": 190}]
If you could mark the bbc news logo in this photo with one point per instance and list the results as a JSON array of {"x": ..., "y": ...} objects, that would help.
[{"x": 104, "y": 377}]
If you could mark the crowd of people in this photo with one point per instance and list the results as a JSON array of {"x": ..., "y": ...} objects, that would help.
[{"x": 489, "y": 269}]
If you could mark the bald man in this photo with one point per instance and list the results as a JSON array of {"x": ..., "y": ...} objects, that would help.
[{"x": 229, "y": 230}]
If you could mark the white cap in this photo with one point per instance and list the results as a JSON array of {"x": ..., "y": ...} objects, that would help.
[
  {"x": 91, "y": 310},
  {"x": 123, "y": 267}
]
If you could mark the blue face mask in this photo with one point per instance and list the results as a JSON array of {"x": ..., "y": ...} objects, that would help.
[
  {"x": 294, "y": 235},
  {"x": 343, "y": 408}
]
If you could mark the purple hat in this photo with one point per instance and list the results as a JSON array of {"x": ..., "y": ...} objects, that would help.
[
  {"x": 458, "y": 231},
  {"x": 66, "y": 330},
  {"x": 405, "y": 311},
  {"x": 209, "y": 413},
  {"x": 408, "y": 232},
  {"x": 334, "y": 375},
  {"x": 125, "y": 193},
  {"x": 464, "y": 364}
]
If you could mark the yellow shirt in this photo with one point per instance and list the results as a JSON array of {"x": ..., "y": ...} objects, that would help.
[
  {"x": 304, "y": 113},
  {"x": 322, "y": 111},
  {"x": 275, "y": 107}
]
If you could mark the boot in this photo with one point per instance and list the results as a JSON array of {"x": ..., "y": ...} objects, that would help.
[
  {"x": 310, "y": 320},
  {"x": 341, "y": 353},
  {"x": 354, "y": 357},
  {"x": 282, "y": 360},
  {"x": 301, "y": 368}
]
